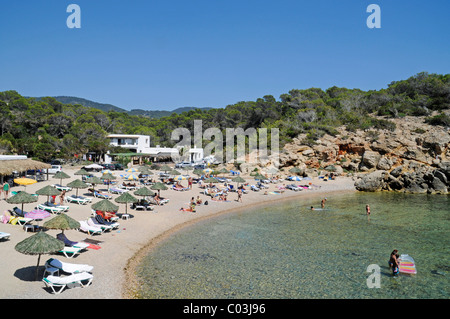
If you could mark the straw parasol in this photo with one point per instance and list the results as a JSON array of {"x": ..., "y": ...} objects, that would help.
[
  {"x": 82, "y": 172},
  {"x": 7, "y": 167},
  {"x": 78, "y": 183},
  {"x": 126, "y": 198},
  {"x": 22, "y": 198},
  {"x": 109, "y": 177},
  {"x": 38, "y": 244},
  {"x": 238, "y": 180},
  {"x": 48, "y": 191},
  {"x": 158, "y": 186},
  {"x": 259, "y": 176},
  {"x": 61, "y": 175},
  {"x": 94, "y": 180},
  {"x": 105, "y": 205},
  {"x": 165, "y": 168},
  {"x": 144, "y": 191},
  {"x": 174, "y": 172},
  {"x": 62, "y": 222},
  {"x": 211, "y": 180}
]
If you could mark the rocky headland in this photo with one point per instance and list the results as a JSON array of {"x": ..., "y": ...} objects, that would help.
[{"x": 414, "y": 157}]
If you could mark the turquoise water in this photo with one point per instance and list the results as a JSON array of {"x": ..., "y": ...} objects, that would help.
[{"x": 289, "y": 251}]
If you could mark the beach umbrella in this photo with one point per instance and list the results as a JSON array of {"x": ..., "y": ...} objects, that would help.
[
  {"x": 94, "y": 180},
  {"x": 180, "y": 178},
  {"x": 238, "y": 180},
  {"x": 38, "y": 244},
  {"x": 158, "y": 186},
  {"x": 109, "y": 177},
  {"x": 144, "y": 191},
  {"x": 105, "y": 206},
  {"x": 24, "y": 181},
  {"x": 62, "y": 222},
  {"x": 223, "y": 171},
  {"x": 37, "y": 214},
  {"x": 131, "y": 170},
  {"x": 211, "y": 180},
  {"x": 22, "y": 198},
  {"x": 208, "y": 170},
  {"x": 78, "y": 183},
  {"x": 82, "y": 172},
  {"x": 165, "y": 168},
  {"x": 198, "y": 172},
  {"x": 126, "y": 198},
  {"x": 48, "y": 191},
  {"x": 61, "y": 175},
  {"x": 259, "y": 176},
  {"x": 174, "y": 172},
  {"x": 130, "y": 177}
]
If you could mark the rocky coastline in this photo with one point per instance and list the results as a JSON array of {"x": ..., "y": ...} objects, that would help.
[{"x": 414, "y": 157}]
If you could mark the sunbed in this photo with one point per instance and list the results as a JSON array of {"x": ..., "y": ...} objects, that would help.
[
  {"x": 115, "y": 190},
  {"x": 4, "y": 236},
  {"x": 57, "y": 284},
  {"x": 62, "y": 237},
  {"x": 54, "y": 209},
  {"x": 78, "y": 199},
  {"x": 67, "y": 267},
  {"x": 91, "y": 230},
  {"x": 62, "y": 188},
  {"x": 102, "y": 221},
  {"x": 102, "y": 195},
  {"x": 19, "y": 217},
  {"x": 70, "y": 252},
  {"x": 93, "y": 222}
]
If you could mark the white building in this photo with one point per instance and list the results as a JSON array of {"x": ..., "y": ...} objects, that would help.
[{"x": 140, "y": 144}]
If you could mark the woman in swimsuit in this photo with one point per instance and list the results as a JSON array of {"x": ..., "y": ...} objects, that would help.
[{"x": 393, "y": 262}]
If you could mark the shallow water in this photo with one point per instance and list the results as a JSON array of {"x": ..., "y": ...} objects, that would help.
[{"x": 288, "y": 251}]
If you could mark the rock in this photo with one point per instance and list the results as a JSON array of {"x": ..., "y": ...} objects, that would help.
[
  {"x": 384, "y": 164},
  {"x": 372, "y": 182},
  {"x": 370, "y": 159},
  {"x": 438, "y": 186},
  {"x": 308, "y": 152},
  {"x": 396, "y": 172}
]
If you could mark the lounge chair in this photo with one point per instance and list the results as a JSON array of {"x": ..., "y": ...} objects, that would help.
[
  {"x": 102, "y": 195},
  {"x": 254, "y": 188},
  {"x": 62, "y": 237},
  {"x": 103, "y": 221},
  {"x": 19, "y": 217},
  {"x": 57, "y": 284},
  {"x": 67, "y": 267},
  {"x": 70, "y": 252},
  {"x": 91, "y": 230},
  {"x": 78, "y": 199},
  {"x": 4, "y": 236},
  {"x": 53, "y": 208},
  {"x": 94, "y": 223},
  {"x": 62, "y": 188},
  {"x": 115, "y": 190}
]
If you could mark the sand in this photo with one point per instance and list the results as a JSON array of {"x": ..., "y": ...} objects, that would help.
[{"x": 122, "y": 249}]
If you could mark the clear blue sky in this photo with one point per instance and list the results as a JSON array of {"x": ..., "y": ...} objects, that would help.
[{"x": 211, "y": 53}]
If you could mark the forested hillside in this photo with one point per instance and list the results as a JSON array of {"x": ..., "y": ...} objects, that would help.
[{"x": 45, "y": 128}]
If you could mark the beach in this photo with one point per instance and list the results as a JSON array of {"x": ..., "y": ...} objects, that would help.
[{"x": 122, "y": 249}]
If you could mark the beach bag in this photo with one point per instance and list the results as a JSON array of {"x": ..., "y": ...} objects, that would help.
[{"x": 206, "y": 202}]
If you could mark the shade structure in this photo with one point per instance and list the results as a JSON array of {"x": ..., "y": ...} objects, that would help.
[
  {"x": 198, "y": 172},
  {"x": 131, "y": 170},
  {"x": 259, "y": 176},
  {"x": 238, "y": 180},
  {"x": 22, "y": 198},
  {"x": 48, "y": 191},
  {"x": 208, "y": 170},
  {"x": 174, "y": 172},
  {"x": 78, "y": 183},
  {"x": 82, "y": 172},
  {"x": 37, "y": 214},
  {"x": 126, "y": 198},
  {"x": 61, "y": 175},
  {"x": 144, "y": 191},
  {"x": 105, "y": 205},
  {"x": 109, "y": 177},
  {"x": 223, "y": 171},
  {"x": 62, "y": 222},
  {"x": 180, "y": 178},
  {"x": 159, "y": 187},
  {"x": 94, "y": 180},
  {"x": 165, "y": 168},
  {"x": 130, "y": 177},
  {"x": 211, "y": 180},
  {"x": 38, "y": 244},
  {"x": 24, "y": 181}
]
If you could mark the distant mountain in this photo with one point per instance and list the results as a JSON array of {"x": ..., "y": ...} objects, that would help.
[{"x": 109, "y": 107}]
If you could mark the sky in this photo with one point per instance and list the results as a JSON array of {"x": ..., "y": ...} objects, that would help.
[{"x": 161, "y": 55}]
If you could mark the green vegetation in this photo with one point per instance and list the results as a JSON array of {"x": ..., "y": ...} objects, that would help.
[{"x": 45, "y": 128}]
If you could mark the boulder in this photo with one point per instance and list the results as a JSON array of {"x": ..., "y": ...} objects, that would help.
[
  {"x": 384, "y": 164},
  {"x": 370, "y": 159},
  {"x": 372, "y": 182}
]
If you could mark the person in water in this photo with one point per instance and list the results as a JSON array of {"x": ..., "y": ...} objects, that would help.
[
  {"x": 393, "y": 262},
  {"x": 312, "y": 207},
  {"x": 367, "y": 210}
]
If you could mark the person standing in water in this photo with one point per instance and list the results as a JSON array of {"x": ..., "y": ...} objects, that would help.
[
  {"x": 322, "y": 203},
  {"x": 393, "y": 262},
  {"x": 367, "y": 210}
]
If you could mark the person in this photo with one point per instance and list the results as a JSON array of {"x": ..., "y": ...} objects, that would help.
[
  {"x": 1, "y": 190},
  {"x": 239, "y": 195},
  {"x": 6, "y": 189},
  {"x": 393, "y": 262},
  {"x": 199, "y": 200},
  {"x": 190, "y": 182},
  {"x": 312, "y": 207},
  {"x": 322, "y": 203},
  {"x": 367, "y": 209},
  {"x": 61, "y": 197}
]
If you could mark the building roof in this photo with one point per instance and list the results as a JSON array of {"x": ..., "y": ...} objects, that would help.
[{"x": 11, "y": 163}]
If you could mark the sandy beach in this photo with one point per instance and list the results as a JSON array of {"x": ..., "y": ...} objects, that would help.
[{"x": 122, "y": 249}]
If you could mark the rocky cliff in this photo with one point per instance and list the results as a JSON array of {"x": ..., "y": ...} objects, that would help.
[{"x": 414, "y": 157}]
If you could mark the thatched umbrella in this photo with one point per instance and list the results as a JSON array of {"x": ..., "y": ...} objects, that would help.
[
  {"x": 158, "y": 186},
  {"x": 126, "y": 198},
  {"x": 82, "y": 172},
  {"x": 144, "y": 191},
  {"x": 109, "y": 177},
  {"x": 259, "y": 176},
  {"x": 62, "y": 222},
  {"x": 94, "y": 180},
  {"x": 105, "y": 205},
  {"x": 174, "y": 172},
  {"x": 198, "y": 172},
  {"x": 39, "y": 244},
  {"x": 165, "y": 168},
  {"x": 211, "y": 180},
  {"x": 21, "y": 198},
  {"x": 238, "y": 180},
  {"x": 78, "y": 183},
  {"x": 223, "y": 171},
  {"x": 61, "y": 175},
  {"x": 48, "y": 191}
]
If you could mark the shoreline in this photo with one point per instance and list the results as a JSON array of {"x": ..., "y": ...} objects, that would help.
[
  {"x": 122, "y": 250},
  {"x": 132, "y": 281}
]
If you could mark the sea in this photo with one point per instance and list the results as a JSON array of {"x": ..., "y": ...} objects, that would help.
[{"x": 287, "y": 251}]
